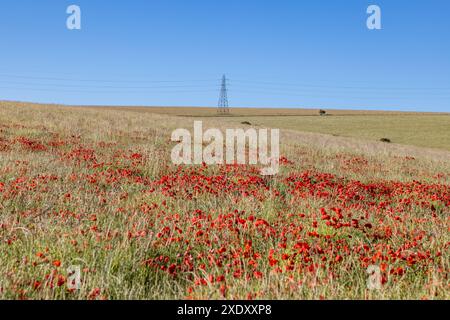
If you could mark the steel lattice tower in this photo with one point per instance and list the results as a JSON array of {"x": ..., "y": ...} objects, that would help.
[{"x": 223, "y": 100}]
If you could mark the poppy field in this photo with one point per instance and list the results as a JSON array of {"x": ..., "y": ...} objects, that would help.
[{"x": 95, "y": 189}]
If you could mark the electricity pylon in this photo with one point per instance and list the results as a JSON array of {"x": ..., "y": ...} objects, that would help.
[{"x": 223, "y": 99}]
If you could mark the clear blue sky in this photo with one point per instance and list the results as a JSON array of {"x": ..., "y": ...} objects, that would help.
[{"x": 276, "y": 53}]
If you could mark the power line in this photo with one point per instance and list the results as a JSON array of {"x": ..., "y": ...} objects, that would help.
[
  {"x": 232, "y": 81},
  {"x": 104, "y": 87},
  {"x": 332, "y": 95},
  {"x": 254, "y": 87},
  {"x": 101, "y": 80},
  {"x": 104, "y": 92},
  {"x": 333, "y": 87},
  {"x": 260, "y": 84},
  {"x": 341, "y": 92}
]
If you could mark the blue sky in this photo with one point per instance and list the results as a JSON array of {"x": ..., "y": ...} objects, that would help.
[{"x": 276, "y": 53}]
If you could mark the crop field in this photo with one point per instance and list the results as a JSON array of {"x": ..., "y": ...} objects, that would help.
[{"x": 95, "y": 189}]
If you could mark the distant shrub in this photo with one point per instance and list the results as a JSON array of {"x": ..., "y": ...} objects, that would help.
[
  {"x": 386, "y": 140},
  {"x": 322, "y": 112},
  {"x": 246, "y": 123}
]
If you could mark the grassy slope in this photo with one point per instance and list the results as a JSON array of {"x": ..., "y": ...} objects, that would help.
[
  {"x": 108, "y": 228},
  {"x": 430, "y": 130}
]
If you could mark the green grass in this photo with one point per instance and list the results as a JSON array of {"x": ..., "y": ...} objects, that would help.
[{"x": 431, "y": 131}]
